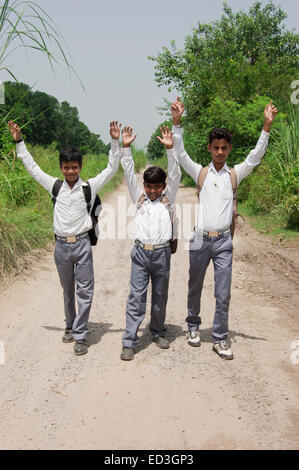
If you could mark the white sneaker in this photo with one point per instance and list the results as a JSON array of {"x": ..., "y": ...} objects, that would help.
[
  {"x": 223, "y": 350},
  {"x": 194, "y": 338}
]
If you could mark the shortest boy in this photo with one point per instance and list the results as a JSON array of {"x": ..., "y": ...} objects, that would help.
[
  {"x": 151, "y": 252},
  {"x": 72, "y": 222}
]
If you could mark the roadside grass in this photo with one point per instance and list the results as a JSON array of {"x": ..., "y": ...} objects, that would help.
[{"x": 272, "y": 226}]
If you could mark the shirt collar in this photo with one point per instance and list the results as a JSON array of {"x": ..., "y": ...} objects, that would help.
[
  {"x": 79, "y": 182},
  {"x": 159, "y": 199},
  {"x": 225, "y": 167}
]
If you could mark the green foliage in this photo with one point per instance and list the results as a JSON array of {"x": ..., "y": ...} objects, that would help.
[
  {"x": 274, "y": 187},
  {"x": 226, "y": 74},
  {"x": 236, "y": 57}
]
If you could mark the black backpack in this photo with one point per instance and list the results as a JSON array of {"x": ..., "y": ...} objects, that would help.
[{"x": 94, "y": 211}]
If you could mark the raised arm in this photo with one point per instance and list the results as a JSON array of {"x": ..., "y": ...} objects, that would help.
[
  {"x": 173, "y": 167},
  {"x": 31, "y": 166},
  {"x": 191, "y": 167},
  {"x": 127, "y": 163},
  {"x": 255, "y": 156},
  {"x": 107, "y": 174}
]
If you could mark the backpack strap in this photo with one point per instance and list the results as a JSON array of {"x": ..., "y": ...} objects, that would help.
[
  {"x": 87, "y": 195},
  {"x": 201, "y": 178},
  {"x": 141, "y": 200},
  {"x": 233, "y": 180},
  {"x": 55, "y": 190}
]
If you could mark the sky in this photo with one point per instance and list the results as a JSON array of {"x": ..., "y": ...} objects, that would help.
[{"x": 109, "y": 43}]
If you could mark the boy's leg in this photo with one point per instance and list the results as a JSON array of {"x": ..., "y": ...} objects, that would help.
[
  {"x": 222, "y": 259},
  {"x": 160, "y": 269},
  {"x": 136, "y": 304},
  {"x": 198, "y": 262},
  {"x": 65, "y": 267},
  {"x": 84, "y": 278}
]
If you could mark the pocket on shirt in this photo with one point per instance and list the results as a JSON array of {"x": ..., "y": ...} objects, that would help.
[{"x": 227, "y": 192}]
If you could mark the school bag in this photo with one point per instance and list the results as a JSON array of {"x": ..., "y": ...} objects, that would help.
[
  {"x": 233, "y": 179},
  {"x": 94, "y": 211},
  {"x": 173, "y": 218}
]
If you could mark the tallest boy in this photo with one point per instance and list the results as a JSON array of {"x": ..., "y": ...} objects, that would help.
[{"x": 212, "y": 236}]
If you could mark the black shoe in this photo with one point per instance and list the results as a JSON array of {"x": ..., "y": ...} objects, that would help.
[
  {"x": 127, "y": 354},
  {"x": 161, "y": 342},
  {"x": 81, "y": 347},
  {"x": 68, "y": 337}
]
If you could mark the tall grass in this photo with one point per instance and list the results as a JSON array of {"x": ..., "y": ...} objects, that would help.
[
  {"x": 24, "y": 24},
  {"x": 274, "y": 186},
  {"x": 285, "y": 147}
]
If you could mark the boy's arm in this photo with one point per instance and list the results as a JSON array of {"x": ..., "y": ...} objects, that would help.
[
  {"x": 191, "y": 167},
  {"x": 127, "y": 163},
  {"x": 173, "y": 168},
  {"x": 255, "y": 156},
  {"x": 107, "y": 174},
  {"x": 31, "y": 166}
]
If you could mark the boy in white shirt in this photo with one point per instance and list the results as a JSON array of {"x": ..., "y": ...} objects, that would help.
[
  {"x": 72, "y": 222},
  {"x": 151, "y": 252},
  {"x": 212, "y": 235}
]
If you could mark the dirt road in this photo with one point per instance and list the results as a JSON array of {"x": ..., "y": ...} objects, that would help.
[{"x": 180, "y": 398}]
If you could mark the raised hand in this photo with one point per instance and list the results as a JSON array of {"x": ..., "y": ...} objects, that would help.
[
  {"x": 269, "y": 113},
  {"x": 115, "y": 130},
  {"x": 127, "y": 136},
  {"x": 177, "y": 110},
  {"x": 167, "y": 139},
  {"x": 14, "y": 130}
]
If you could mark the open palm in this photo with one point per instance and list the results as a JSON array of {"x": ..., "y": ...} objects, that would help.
[{"x": 127, "y": 136}]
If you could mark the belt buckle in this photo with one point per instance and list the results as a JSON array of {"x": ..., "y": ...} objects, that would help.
[
  {"x": 148, "y": 247},
  {"x": 71, "y": 239},
  {"x": 213, "y": 234}
]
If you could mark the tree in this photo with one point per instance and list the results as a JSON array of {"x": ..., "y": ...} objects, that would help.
[
  {"x": 236, "y": 57},
  {"x": 226, "y": 65},
  {"x": 44, "y": 120}
]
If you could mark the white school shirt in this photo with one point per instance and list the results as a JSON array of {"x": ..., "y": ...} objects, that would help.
[
  {"x": 70, "y": 213},
  {"x": 215, "y": 209},
  {"x": 152, "y": 224}
]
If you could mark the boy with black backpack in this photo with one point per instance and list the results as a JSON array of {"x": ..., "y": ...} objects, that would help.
[{"x": 75, "y": 206}]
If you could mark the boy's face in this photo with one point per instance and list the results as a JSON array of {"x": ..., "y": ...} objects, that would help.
[
  {"x": 71, "y": 171},
  {"x": 219, "y": 149},
  {"x": 154, "y": 190}
]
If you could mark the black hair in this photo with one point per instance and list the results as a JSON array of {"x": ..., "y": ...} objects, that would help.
[
  {"x": 70, "y": 154},
  {"x": 154, "y": 174},
  {"x": 220, "y": 133}
]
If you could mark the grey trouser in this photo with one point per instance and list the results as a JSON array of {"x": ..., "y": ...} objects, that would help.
[
  {"x": 75, "y": 268},
  {"x": 146, "y": 265},
  {"x": 220, "y": 250}
]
